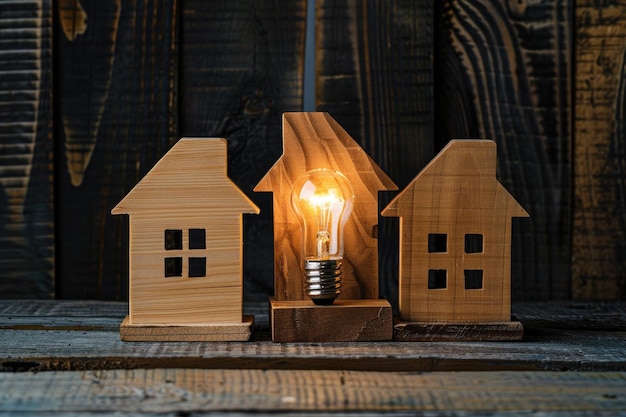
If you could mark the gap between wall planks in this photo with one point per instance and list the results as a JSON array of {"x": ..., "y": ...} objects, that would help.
[
  {"x": 90, "y": 256},
  {"x": 599, "y": 226}
]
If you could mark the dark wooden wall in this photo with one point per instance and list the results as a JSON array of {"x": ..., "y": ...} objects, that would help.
[
  {"x": 241, "y": 67},
  {"x": 599, "y": 155},
  {"x": 116, "y": 86},
  {"x": 504, "y": 73},
  {"x": 26, "y": 155},
  {"x": 543, "y": 79},
  {"x": 375, "y": 76}
]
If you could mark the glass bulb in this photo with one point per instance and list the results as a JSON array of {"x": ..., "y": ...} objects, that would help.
[{"x": 322, "y": 200}]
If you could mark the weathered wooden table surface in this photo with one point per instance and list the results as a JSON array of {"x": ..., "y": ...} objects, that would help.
[{"x": 571, "y": 362}]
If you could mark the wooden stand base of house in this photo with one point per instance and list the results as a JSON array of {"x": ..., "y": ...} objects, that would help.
[
  {"x": 344, "y": 321},
  {"x": 457, "y": 332},
  {"x": 455, "y": 240},
  {"x": 197, "y": 332},
  {"x": 185, "y": 222}
]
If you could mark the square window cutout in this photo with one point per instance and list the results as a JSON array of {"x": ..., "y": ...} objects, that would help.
[
  {"x": 473, "y": 243},
  {"x": 173, "y": 239},
  {"x": 473, "y": 279},
  {"x": 197, "y": 267},
  {"x": 174, "y": 267},
  {"x": 437, "y": 242},
  {"x": 197, "y": 239},
  {"x": 437, "y": 279}
]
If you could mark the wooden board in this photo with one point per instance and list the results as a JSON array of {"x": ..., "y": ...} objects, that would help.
[
  {"x": 375, "y": 77},
  {"x": 198, "y": 332},
  {"x": 503, "y": 72},
  {"x": 50, "y": 335},
  {"x": 302, "y": 393},
  {"x": 117, "y": 115},
  {"x": 457, "y": 332},
  {"x": 599, "y": 217},
  {"x": 241, "y": 66},
  {"x": 26, "y": 144},
  {"x": 344, "y": 321}
]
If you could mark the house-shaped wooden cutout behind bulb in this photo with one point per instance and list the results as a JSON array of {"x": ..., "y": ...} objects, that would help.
[
  {"x": 455, "y": 248},
  {"x": 316, "y": 141},
  {"x": 185, "y": 248}
]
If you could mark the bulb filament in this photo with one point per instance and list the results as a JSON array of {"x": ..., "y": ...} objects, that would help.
[
  {"x": 325, "y": 207},
  {"x": 323, "y": 244}
]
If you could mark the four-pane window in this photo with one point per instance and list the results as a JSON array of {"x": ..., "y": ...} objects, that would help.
[
  {"x": 472, "y": 244},
  {"x": 173, "y": 241}
]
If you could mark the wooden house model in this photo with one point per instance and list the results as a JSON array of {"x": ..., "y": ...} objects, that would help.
[
  {"x": 185, "y": 248},
  {"x": 314, "y": 140},
  {"x": 455, "y": 238}
]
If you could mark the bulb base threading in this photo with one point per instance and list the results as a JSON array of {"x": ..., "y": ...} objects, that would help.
[{"x": 323, "y": 280}]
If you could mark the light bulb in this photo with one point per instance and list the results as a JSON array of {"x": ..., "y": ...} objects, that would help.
[{"x": 322, "y": 200}]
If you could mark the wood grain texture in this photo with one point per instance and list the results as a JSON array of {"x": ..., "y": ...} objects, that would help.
[
  {"x": 26, "y": 159},
  {"x": 313, "y": 140},
  {"x": 344, "y": 321},
  {"x": 455, "y": 332},
  {"x": 186, "y": 191},
  {"x": 51, "y": 335},
  {"x": 241, "y": 67},
  {"x": 599, "y": 226},
  {"x": 197, "y": 332},
  {"x": 73, "y": 18},
  {"x": 503, "y": 72},
  {"x": 117, "y": 115},
  {"x": 189, "y": 391},
  {"x": 85, "y": 64},
  {"x": 456, "y": 196},
  {"x": 375, "y": 77}
]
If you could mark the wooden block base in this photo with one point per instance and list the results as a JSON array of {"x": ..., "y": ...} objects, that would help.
[
  {"x": 344, "y": 321},
  {"x": 457, "y": 332},
  {"x": 202, "y": 332}
]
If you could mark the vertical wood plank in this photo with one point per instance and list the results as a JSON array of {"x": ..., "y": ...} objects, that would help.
[
  {"x": 26, "y": 195},
  {"x": 599, "y": 217},
  {"x": 374, "y": 76},
  {"x": 241, "y": 68},
  {"x": 117, "y": 114},
  {"x": 503, "y": 73}
]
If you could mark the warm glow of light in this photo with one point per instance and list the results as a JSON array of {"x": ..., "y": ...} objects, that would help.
[{"x": 323, "y": 200}]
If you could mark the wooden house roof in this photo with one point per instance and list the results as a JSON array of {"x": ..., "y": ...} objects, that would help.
[
  {"x": 192, "y": 175},
  {"x": 314, "y": 140},
  {"x": 461, "y": 177}
]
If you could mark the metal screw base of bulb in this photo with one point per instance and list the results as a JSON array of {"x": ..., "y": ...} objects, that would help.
[{"x": 323, "y": 280}]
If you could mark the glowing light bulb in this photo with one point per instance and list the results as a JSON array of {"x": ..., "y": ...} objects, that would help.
[{"x": 323, "y": 201}]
